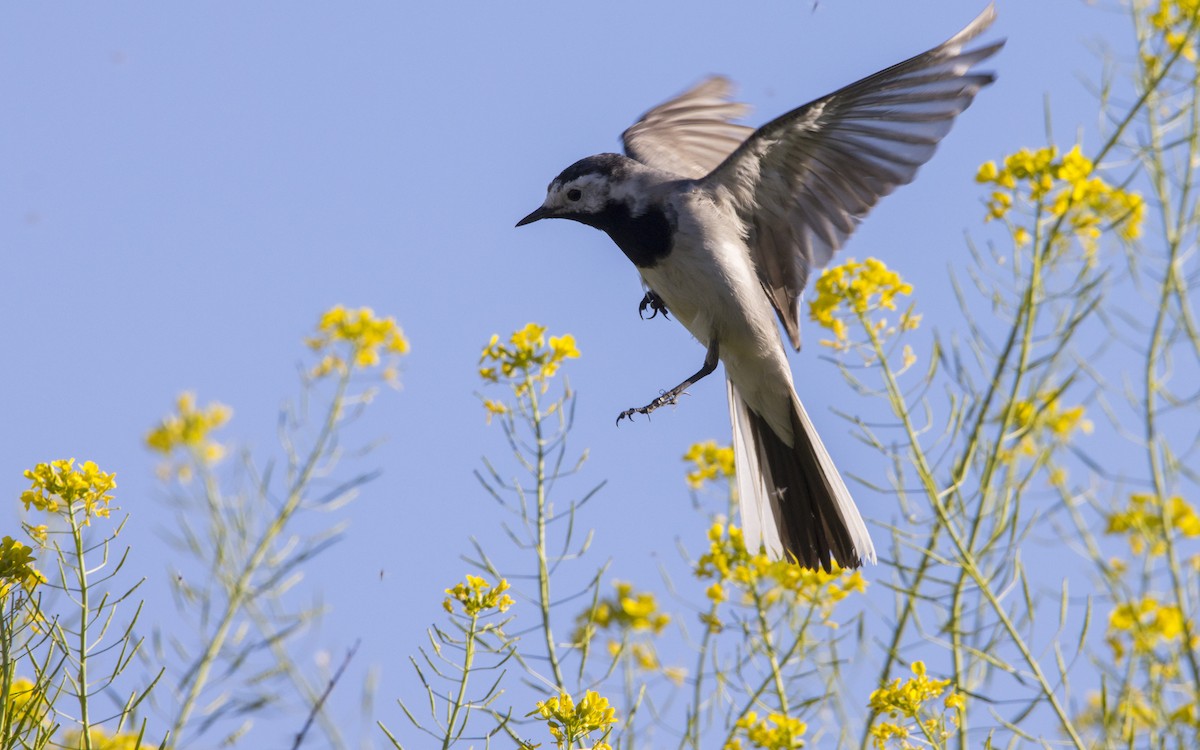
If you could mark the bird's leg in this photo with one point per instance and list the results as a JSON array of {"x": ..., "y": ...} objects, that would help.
[
  {"x": 710, "y": 364},
  {"x": 656, "y": 305}
]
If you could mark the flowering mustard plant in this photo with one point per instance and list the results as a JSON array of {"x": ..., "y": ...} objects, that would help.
[
  {"x": 632, "y": 617},
  {"x": 1172, "y": 20},
  {"x": 1147, "y": 523},
  {"x": 1146, "y": 625},
  {"x": 731, "y": 566},
  {"x": 1042, "y": 423},
  {"x": 571, "y": 723},
  {"x": 908, "y": 701},
  {"x": 61, "y": 488},
  {"x": 1063, "y": 188},
  {"x": 189, "y": 429},
  {"x": 356, "y": 340},
  {"x": 710, "y": 462},
  {"x": 774, "y": 732},
  {"x": 17, "y": 568},
  {"x": 854, "y": 291},
  {"x": 526, "y": 360},
  {"x": 476, "y": 596},
  {"x": 98, "y": 739}
]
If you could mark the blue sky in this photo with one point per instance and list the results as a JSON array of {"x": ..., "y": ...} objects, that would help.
[{"x": 184, "y": 189}]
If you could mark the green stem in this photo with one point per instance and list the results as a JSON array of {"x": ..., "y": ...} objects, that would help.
[
  {"x": 84, "y": 616},
  {"x": 241, "y": 588},
  {"x": 966, "y": 557},
  {"x": 543, "y": 564},
  {"x": 692, "y": 735},
  {"x": 769, "y": 646},
  {"x": 1174, "y": 230},
  {"x": 468, "y": 660}
]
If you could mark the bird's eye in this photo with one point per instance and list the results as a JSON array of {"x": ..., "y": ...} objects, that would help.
[{"x": 574, "y": 194}]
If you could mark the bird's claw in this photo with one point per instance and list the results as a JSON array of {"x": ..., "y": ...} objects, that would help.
[
  {"x": 670, "y": 397},
  {"x": 656, "y": 306}
]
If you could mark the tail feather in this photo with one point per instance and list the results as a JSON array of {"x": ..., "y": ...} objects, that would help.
[{"x": 792, "y": 498}]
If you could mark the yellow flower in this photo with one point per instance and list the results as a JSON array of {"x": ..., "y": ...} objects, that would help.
[
  {"x": 1143, "y": 521},
  {"x": 61, "y": 487},
  {"x": 38, "y": 533},
  {"x": 476, "y": 596},
  {"x": 354, "y": 339},
  {"x": 526, "y": 360},
  {"x": 853, "y": 290},
  {"x": 571, "y": 722},
  {"x": 775, "y": 732},
  {"x": 628, "y": 610},
  {"x": 909, "y": 699},
  {"x": 773, "y": 581},
  {"x": 1172, "y": 20},
  {"x": 27, "y": 702},
  {"x": 884, "y": 732},
  {"x": 1042, "y": 423},
  {"x": 1145, "y": 625},
  {"x": 711, "y": 461},
  {"x": 101, "y": 740},
  {"x": 1067, "y": 190},
  {"x": 495, "y": 409},
  {"x": 1131, "y": 716},
  {"x": 189, "y": 429},
  {"x": 17, "y": 568}
]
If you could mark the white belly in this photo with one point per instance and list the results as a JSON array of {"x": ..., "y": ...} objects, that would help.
[{"x": 710, "y": 285}]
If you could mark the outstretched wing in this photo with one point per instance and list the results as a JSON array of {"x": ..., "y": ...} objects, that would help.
[
  {"x": 690, "y": 134},
  {"x": 803, "y": 181}
]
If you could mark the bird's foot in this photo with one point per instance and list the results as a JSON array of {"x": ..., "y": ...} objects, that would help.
[
  {"x": 668, "y": 397},
  {"x": 655, "y": 304}
]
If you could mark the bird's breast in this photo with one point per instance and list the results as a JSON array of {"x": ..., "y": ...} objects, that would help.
[{"x": 645, "y": 238}]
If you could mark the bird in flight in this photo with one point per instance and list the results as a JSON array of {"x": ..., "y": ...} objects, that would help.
[{"x": 725, "y": 223}]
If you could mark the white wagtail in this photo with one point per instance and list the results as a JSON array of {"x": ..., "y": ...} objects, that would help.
[{"x": 725, "y": 225}]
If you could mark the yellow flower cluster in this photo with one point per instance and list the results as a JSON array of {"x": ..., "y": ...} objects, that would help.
[
  {"x": 711, "y": 461},
  {"x": 1145, "y": 625},
  {"x": 572, "y": 722},
  {"x": 1143, "y": 521},
  {"x": 58, "y": 487},
  {"x": 367, "y": 337},
  {"x": 1067, "y": 189},
  {"x": 628, "y": 610},
  {"x": 1173, "y": 20},
  {"x": 775, "y": 732},
  {"x": 853, "y": 290},
  {"x": 525, "y": 360},
  {"x": 100, "y": 740},
  {"x": 632, "y": 614},
  {"x": 27, "y": 705},
  {"x": 1133, "y": 717},
  {"x": 770, "y": 581},
  {"x": 189, "y": 429},
  {"x": 17, "y": 568},
  {"x": 1043, "y": 417},
  {"x": 26, "y": 701},
  {"x": 477, "y": 595},
  {"x": 908, "y": 699}
]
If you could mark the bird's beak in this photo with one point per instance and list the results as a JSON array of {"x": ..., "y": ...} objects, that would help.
[{"x": 541, "y": 212}]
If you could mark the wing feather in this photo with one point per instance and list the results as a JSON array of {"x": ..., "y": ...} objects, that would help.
[
  {"x": 803, "y": 182},
  {"x": 690, "y": 134}
]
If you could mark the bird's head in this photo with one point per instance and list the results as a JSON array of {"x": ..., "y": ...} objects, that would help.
[{"x": 584, "y": 190}]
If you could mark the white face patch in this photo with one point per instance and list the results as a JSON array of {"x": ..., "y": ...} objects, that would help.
[{"x": 585, "y": 194}]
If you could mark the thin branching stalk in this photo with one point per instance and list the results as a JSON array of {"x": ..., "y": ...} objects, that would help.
[{"x": 243, "y": 587}]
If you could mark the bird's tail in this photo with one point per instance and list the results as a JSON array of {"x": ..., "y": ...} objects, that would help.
[{"x": 792, "y": 498}]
